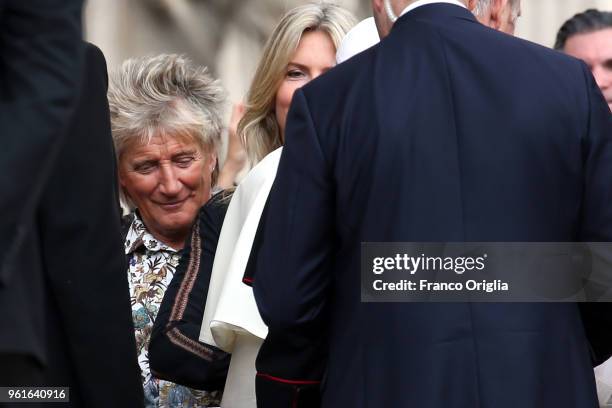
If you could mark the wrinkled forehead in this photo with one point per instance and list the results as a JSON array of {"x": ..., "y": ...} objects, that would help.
[{"x": 164, "y": 141}]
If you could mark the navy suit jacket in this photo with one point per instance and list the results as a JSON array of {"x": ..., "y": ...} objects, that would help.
[{"x": 446, "y": 131}]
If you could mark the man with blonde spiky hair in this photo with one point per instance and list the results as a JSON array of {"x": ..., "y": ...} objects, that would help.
[{"x": 166, "y": 125}]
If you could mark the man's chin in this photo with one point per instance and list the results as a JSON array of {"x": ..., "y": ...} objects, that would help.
[
  {"x": 172, "y": 208},
  {"x": 177, "y": 223}
]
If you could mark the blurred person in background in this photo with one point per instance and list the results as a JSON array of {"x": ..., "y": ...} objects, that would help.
[
  {"x": 236, "y": 158},
  {"x": 166, "y": 124},
  {"x": 588, "y": 36}
]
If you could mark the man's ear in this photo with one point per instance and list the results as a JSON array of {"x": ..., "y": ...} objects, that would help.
[
  {"x": 471, "y": 5},
  {"x": 378, "y": 6},
  {"x": 496, "y": 13},
  {"x": 122, "y": 184},
  {"x": 213, "y": 162},
  {"x": 121, "y": 178}
]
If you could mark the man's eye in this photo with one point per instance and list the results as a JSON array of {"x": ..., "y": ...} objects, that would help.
[
  {"x": 145, "y": 168},
  {"x": 184, "y": 161}
]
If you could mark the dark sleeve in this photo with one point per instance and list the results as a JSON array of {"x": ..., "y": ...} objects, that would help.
[
  {"x": 293, "y": 270},
  {"x": 251, "y": 266},
  {"x": 84, "y": 258},
  {"x": 175, "y": 352},
  {"x": 41, "y": 57},
  {"x": 597, "y": 210}
]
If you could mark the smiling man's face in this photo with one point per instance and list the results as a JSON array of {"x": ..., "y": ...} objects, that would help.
[{"x": 168, "y": 180}]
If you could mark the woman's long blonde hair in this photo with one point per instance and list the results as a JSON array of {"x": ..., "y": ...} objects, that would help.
[{"x": 258, "y": 128}]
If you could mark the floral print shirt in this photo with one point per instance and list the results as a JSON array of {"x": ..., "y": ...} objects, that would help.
[{"x": 151, "y": 267}]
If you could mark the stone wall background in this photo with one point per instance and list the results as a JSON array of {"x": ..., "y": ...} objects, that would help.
[{"x": 225, "y": 35}]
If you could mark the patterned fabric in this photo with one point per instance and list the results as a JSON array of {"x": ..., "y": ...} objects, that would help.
[{"x": 151, "y": 267}]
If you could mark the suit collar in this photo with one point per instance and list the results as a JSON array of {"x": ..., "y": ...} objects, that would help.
[
  {"x": 435, "y": 12},
  {"x": 421, "y": 3}
]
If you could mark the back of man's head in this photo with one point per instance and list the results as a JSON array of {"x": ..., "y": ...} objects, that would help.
[
  {"x": 582, "y": 23},
  {"x": 385, "y": 13},
  {"x": 482, "y": 7},
  {"x": 498, "y": 14}
]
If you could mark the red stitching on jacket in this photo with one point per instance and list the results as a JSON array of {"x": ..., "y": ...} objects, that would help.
[
  {"x": 188, "y": 344},
  {"x": 285, "y": 381},
  {"x": 178, "y": 309},
  {"x": 182, "y": 297}
]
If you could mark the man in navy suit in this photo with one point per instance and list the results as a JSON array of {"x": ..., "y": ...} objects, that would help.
[{"x": 447, "y": 131}]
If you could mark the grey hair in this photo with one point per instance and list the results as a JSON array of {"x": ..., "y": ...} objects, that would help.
[
  {"x": 483, "y": 7},
  {"x": 165, "y": 95}
]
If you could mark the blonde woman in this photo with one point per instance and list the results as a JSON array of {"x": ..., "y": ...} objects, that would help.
[{"x": 302, "y": 47}]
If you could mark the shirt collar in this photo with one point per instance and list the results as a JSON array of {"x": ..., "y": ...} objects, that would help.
[
  {"x": 138, "y": 235},
  {"x": 420, "y": 3}
]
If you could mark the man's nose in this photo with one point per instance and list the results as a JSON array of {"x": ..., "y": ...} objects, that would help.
[{"x": 169, "y": 183}]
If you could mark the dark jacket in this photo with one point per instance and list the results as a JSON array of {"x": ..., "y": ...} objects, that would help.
[
  {"x": 41, "y": 60},
  {"x": 66, "y": 301},
  {"x": 447, "y": 131},
  {"x": 175, "y": 352}
]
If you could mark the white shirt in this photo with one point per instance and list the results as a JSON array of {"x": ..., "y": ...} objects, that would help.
[{"x": 426, "y": 2}]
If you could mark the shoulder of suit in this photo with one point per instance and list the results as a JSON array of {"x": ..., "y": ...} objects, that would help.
[{"x": 508, "y": 43}]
